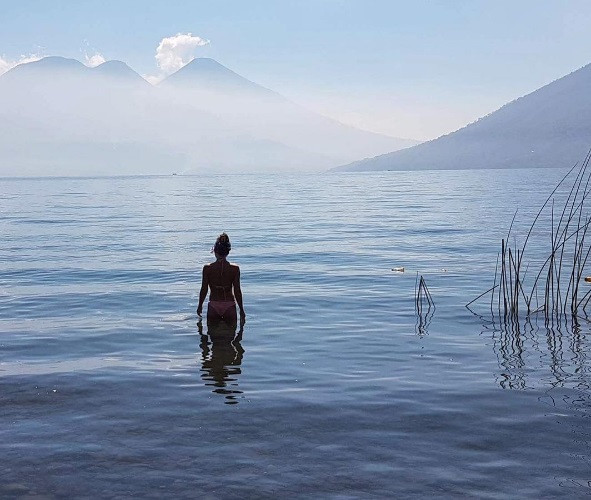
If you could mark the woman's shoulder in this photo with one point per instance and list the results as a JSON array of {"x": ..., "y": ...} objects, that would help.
[{"x": 212, "y": 264}]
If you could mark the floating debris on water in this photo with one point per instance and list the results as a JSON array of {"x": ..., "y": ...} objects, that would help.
[{"x": 398, "y": 269}]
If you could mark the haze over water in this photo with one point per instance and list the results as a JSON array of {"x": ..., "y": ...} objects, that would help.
[{"x": 107, "y": 384}]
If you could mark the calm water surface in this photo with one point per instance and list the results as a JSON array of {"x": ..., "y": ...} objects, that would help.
[{"x": 110, "y": 388}]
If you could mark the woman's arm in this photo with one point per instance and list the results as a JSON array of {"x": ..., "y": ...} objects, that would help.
[
  {"x": 238, "y": 295},
  {"x": 203, "y": 291}
]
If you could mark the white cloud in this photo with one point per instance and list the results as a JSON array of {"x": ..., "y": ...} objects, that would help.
[
  {"x": 174, "y": 52},
  {"x": 6, "y": 64},
  {"x": 94, "y": 60}
]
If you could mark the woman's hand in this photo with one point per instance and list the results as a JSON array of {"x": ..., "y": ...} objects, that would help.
[
  {"x": 242, "y": 318},
  {"x": 199, "y": 310}
]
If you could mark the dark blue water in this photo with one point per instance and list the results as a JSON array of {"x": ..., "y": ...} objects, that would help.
[{"x": 109, "y": 388}]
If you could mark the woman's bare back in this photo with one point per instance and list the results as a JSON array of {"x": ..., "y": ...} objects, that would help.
[{"x": 221, "y": 277}]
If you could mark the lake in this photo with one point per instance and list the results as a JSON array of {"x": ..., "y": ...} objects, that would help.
[{"x": 109, "y": 387}]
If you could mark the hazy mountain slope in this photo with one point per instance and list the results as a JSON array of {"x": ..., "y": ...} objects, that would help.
[
  {"x": 549, "y": 127},
  {"x": 120, "y": 71},
  {"x": 210, "y": 86},
  {"x": 208, "y": 74}
]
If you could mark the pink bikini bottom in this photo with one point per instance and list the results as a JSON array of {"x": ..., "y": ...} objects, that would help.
[{"x": 221, "y": 309}]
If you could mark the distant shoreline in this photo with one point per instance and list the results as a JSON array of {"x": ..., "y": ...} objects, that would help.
[{"x": 299, "y": 174}]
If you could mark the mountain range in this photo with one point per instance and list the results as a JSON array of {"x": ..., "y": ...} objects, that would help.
[
  {"x": 551, "y": 127},
  {"x": 62, "y": 118}
]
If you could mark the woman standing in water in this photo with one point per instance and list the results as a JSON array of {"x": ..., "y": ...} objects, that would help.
[{"x": 223, "y": 281}]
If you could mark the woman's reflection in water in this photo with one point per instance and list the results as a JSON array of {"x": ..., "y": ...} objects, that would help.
[{"x": 221, "y": 357}]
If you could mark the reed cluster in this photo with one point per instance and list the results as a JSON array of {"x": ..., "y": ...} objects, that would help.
[{"x": 552, "y": 289}]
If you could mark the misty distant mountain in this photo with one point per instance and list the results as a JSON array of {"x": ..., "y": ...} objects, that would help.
[
  {"x": 550, "y": 127},
  {"x": 120, "y": 71},
  {"x": 208, "y": 74},
  {"x": 215, "y": 89},
  {"x": 60, "y": 117}
]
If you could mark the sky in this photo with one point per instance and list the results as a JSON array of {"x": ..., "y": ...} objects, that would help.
[{"x": 414, "y": 69}]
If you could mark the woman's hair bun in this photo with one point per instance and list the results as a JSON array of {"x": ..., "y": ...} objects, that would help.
[{"x": 222, "y": 245}]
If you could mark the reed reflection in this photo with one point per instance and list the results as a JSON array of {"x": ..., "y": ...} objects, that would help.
[
  {"x": 423, "y": 322},
  {"x": 221, "y": 358},
  {"x": 536, "y": 356}
]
